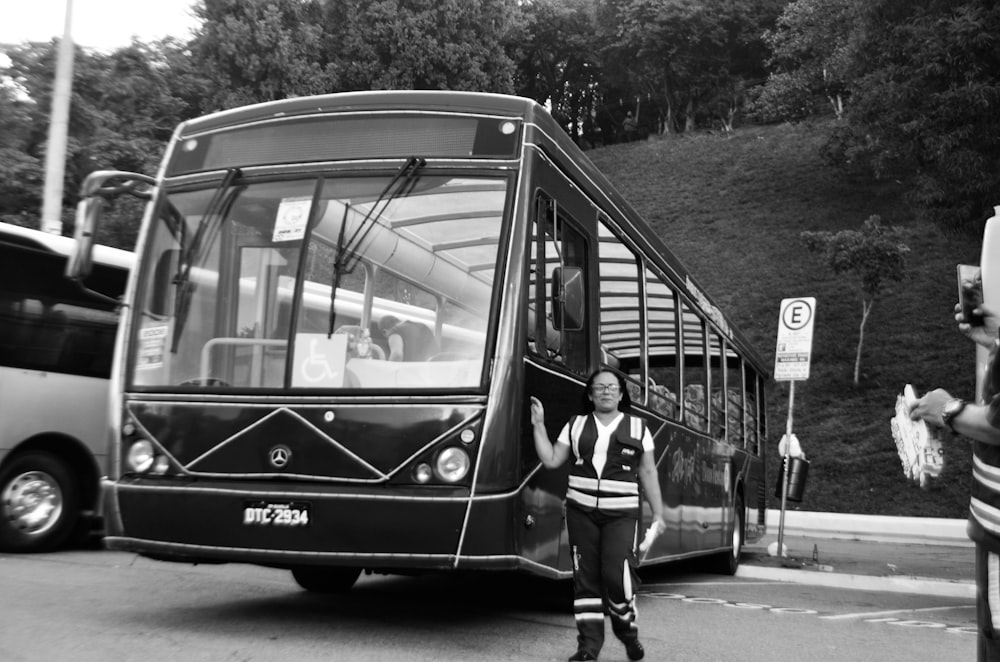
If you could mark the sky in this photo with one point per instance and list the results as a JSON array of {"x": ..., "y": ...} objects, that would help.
[{"x": 98, "y": 24}]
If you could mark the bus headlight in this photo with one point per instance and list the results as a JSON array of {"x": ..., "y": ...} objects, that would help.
[
  {"x": 140, "y": 456},
  {"x": 452, "y": 464}
]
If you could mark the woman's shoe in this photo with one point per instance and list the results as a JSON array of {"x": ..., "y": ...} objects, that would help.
[
  {"x": 634, "y": 650},
  {"x": 581, "y": 656}
]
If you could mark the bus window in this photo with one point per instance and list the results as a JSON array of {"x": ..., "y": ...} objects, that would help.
[
  {"x": 45, "y": 329},
  {"x": 716, "y": 380},
  {"x": 556, "y": 243},
  {"x": 664, "y": 359},
  {"x": 621, "y": 309},
  {"x": 260, "y": 263},
  {"x": 695, "y": 370},
  {"x": 753, "y": 420},
  {"x": 735, "y": 407}
]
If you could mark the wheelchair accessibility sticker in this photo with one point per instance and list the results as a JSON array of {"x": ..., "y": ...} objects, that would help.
[{"x": 319, "y": 360}]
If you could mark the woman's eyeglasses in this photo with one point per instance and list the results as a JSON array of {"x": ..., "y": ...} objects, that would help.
[{"x": 604, "y": 388}]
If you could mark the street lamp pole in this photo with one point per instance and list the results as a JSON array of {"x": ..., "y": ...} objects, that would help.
[{"x": 55, "y": 153}]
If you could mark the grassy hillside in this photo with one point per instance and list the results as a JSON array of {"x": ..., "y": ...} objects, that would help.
[{"x": 731, "y": 208}]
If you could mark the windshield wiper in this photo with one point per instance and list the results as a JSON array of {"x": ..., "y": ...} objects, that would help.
[
  {"x": 405, "y": 176},
  {"x": 348, "y": 253},
  {"x": 207, "y": 229}
]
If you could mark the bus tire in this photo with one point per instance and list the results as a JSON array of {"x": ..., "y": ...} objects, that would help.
[
  {"x": 729, "y": 561},
  {"x": 39, "y": 503},
  {"x": 325, "y": 579}
]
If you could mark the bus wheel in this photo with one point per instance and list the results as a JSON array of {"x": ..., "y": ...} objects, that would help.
[
  {"x": 39, "y": 503},
  {"x": 322, "y": 579},
  {"x": 729, "y": 562}
]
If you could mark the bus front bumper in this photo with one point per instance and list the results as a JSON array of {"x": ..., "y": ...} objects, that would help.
[{"x": 219, "y": 522}]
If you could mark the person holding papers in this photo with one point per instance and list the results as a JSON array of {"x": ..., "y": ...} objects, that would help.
[{"x": 612, "y": 456}]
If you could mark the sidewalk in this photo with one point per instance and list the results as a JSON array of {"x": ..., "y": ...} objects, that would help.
[{"x": 900, "y": 554}]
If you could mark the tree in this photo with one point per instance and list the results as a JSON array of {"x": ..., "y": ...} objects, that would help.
[
  {"x": 809, "y": 60},
  {"x": 557, "y": 59},
  {"x": 262, "y": 50},
  {"x": 424, "y": 44},
  {"x": 696, "y": 54},
  {"x": 124, "y": 108},
  {"x": 873, "y": 254},
  {"x": 924, "y": 79}
]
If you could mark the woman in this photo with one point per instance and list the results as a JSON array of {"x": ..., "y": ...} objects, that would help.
[{"x": 613, "y": 454}]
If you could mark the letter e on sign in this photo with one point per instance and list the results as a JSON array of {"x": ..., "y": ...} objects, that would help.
[{"x": 795, "y": 330}]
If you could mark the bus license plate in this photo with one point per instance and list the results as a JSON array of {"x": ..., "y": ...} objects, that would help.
[{"x": 276, "y": 513}]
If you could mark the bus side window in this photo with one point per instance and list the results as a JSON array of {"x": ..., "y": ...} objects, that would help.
[
  {"x": 695, "y": 369},
  {"x": 752, "y": 419},
  {"x": 735, "y": 409},
  {"x": 664, "y": 357},
  {"x": 718, "y": 402},
  {"x": 555, "y": 243},
  {"x": 662, "y": 399}
]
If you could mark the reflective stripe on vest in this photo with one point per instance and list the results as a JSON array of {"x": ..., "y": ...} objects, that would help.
[{"x": 984, "y": 505}]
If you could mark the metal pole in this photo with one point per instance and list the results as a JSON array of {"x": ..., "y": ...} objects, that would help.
[
  {"x": 55, "y": 153},
  {"x": 785, "y": 472}
]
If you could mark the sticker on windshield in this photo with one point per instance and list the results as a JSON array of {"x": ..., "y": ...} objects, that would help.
[
  {"x": 152, "y": 344},
  {"x": 293, "y": 214},
  {"x": 319, "y": 360}
]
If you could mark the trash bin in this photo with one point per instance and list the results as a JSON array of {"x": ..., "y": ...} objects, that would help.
[{"x": 797, "y": 473}]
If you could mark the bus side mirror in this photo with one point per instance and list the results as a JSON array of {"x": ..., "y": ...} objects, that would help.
[
  {"x": 567, "y": 298},
  {"x": 98, "y": 187},
  {"x": 81, "y": 260}
]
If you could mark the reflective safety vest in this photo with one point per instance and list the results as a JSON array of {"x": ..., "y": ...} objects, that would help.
[
  {"x": 984, "y": 506},
  {"x": 617, "y": 488}
]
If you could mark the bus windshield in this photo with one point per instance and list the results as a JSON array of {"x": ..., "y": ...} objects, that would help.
[{"x": 320, "y": 282}]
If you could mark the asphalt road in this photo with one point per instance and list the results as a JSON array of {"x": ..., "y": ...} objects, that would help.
[{"x": 90, "y": 605}]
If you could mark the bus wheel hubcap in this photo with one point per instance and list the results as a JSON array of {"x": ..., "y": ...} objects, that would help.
[{"x": 32, "y": 503}]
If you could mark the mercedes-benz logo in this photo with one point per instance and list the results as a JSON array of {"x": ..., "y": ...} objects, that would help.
[{"x": 279, "y": 456}]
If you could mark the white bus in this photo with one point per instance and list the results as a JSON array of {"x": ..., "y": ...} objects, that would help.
[{"x": 56, "y": 345}]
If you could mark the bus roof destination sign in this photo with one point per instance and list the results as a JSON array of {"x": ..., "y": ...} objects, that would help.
[{"x": 795, "y": 331}]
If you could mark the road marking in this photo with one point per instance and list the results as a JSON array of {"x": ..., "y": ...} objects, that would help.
[
  {"x": 872, "y": 614},
  {"x": 875, "y": 617}
]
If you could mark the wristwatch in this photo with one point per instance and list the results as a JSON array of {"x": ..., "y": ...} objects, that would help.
[{"x": 952, "y": 408}]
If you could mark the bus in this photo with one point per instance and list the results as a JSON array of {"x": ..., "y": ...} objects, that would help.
[
  {"x": 257, "y": 419},
  {"x": 56, "y": 343}
]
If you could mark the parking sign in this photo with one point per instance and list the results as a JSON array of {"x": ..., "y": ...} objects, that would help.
[{"x": 795, "y": 330}]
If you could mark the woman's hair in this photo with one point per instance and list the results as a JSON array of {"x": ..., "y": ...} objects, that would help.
[{"x": 626, "y": 402}]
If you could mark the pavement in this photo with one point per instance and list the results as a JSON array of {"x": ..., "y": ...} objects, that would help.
[{"x": 930, "y": 556}]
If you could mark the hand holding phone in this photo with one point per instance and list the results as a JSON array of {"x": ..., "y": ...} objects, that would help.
[{"x": 970, "y": 292}]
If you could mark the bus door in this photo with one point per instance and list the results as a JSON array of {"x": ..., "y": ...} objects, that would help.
[{"x": 559, "y": 352}]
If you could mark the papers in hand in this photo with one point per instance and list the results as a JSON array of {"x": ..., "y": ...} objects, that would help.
[
  {"x": 654, "y": 530},
  {"x": 918, "y": 446}
]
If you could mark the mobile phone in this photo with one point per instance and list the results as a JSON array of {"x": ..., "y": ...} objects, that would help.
[{"x": 970, "y": 292}]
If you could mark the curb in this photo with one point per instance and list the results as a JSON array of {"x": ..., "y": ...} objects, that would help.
[
  {"x": 928, "y": 531},
  {"x": 901, "y": 584},
  {"x": 876, "y": 528}
]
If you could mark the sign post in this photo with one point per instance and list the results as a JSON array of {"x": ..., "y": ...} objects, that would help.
[{"x": 791, "y": 364}]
